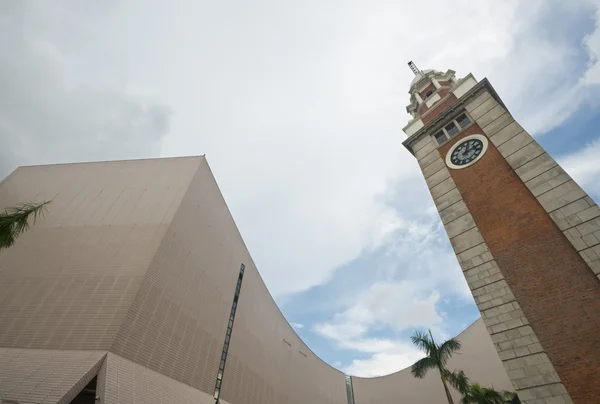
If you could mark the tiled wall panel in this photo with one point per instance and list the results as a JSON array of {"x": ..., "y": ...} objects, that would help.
[
  {"x": 39, "y": 376},
  {"x": 68, "y": 281},
  {"x": 268, "y": 363},
  {"x": 122, "y": 381},
  {"x": 176, "y": 324}
]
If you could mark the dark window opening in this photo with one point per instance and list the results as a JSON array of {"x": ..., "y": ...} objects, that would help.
[
  {"x": 451, "y": 129},
  {"x": 428, "y": 94},
  {"x": 463, "y": 120},
  {"x": 440, "y": 137},
  {"x": 87, "y": 395}
]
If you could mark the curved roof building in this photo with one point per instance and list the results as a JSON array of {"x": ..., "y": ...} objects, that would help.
[{"x": 136, "y": 287}]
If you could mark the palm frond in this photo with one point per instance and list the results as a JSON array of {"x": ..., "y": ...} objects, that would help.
[
  {"x": 482, "y": 395},
  {"x": 421, "y": 367},
  {"x": 14, "y": 221},
  {"x": 447, "y": 349},
  {"x": 493, "y": 397},
  {"x": 510, "y": 397},
  {"x": 458, "y": 380},
  {"x": 423, "y": 341}
]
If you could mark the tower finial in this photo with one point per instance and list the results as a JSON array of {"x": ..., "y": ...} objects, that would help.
[{"x": 414, "y": 68}]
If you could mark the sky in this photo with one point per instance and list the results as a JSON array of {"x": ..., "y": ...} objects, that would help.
[{"x": 299, "y": 108}]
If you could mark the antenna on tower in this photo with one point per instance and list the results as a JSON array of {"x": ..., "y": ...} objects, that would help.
[{"x": 414, "y": 68}]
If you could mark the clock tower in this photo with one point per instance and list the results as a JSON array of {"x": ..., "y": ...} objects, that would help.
[{"x": 527, "y": 237}]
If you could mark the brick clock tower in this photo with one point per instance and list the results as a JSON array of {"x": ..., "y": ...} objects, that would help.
[{"x": 527, "y": 237}]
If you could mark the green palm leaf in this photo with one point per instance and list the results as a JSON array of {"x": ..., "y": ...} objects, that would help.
[
  {"x": 447, "y": 349},
  {"x": 458, "y": 380},
  {"x": 15, "y": 221},
  {"x": 422, "y": 341},
  {"x": 482, "y": 395},
  {"x": 421, "y": 367}
]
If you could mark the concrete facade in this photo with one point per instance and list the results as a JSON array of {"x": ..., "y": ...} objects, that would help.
[
  {"x": 128, "y": 282},
  {"x": 525, "y": 236}
]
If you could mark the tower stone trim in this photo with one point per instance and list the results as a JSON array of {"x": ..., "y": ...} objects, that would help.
[
  {"x": 528, "y": 367},
  {"x": 476, "y": 96},
  {"x": 574, "y": 212},
  {"x": 498, "y": 258}
]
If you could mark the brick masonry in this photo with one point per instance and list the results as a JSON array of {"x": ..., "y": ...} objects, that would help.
[
  {"x": 531, "y": 252},
  {"x": 424, "y": 91},
  {"x": 526, "y": 364},
  {"x": 573, "y": 211},
  {"x": 442, "y": 92},
  {"x": 438, "y": 108}
]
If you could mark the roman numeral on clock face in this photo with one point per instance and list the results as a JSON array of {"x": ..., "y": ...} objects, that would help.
[{"x": 466, "y": 152}]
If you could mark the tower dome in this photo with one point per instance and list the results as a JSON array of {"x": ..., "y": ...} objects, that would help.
[{"x": 428, "y": 90}]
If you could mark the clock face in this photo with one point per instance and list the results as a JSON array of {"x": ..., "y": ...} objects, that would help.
[{"x": 467, "y": 151}]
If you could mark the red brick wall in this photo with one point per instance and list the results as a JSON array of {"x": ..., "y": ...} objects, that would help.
[
  {"x": 554, "y": 286},
  {"x": 438, "y": 108},
  {"x": 444, "y": 92},
  {"x": 432, "y": 87},
  {"x": 429, "y": 87}
]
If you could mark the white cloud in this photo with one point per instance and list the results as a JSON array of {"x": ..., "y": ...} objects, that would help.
[
  {"x": 297, "y": 326},
  {"x": 51, "y": 113},
  {"x": 323, "y": 201},
  {"x": 298, "y": 106},
  {"x": 584, "y": 166},
  {"x": 398, "y": 356},
  {"x": 398, "y": 307},
  {"x": 592, "y": 44}
]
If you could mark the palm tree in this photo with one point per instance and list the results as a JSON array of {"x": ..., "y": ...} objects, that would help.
[
  {"x": 483, "y": 395},
  {"x": 14, "y": 221},
  {"x": 511, "y": 398},
  {"x": 437, "y": 358}
]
